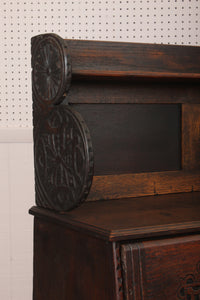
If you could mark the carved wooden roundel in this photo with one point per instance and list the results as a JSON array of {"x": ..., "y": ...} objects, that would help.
[
  {"x": 51, "y": 70},
  {"x": 63, "y": 160}
]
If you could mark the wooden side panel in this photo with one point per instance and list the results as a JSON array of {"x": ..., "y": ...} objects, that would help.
[
  {"x": 143, "y": 184},
  {"x": 191, "y": 137},
  {"x": 163, "y": 269},
  {"x": 71, "y": 265}
]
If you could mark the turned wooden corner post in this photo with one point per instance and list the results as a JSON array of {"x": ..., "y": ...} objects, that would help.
[{"x": 63, "y": 154}]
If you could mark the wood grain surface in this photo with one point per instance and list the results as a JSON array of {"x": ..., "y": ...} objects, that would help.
[
  {"x": 143, "y": 184},
  {"x": 140, "y": 240},
  {"x": 136, "y": 60},
  {"x": 132, "y": 218},
  {"x": 129, "y": 91},
  {"x": 191, "y": 137},
  {"x": 68, "y": 267},
  {"x": 162, "y": 269}
]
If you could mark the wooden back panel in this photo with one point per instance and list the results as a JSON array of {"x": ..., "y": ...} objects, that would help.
[
  {"x": 136, "y": 130},
  {"x": 135, "y": 138}
]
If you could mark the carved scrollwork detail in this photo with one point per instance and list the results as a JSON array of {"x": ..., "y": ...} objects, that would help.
[
  {"x": 63, "y": 160},
  {"x": 118, "y": 271},
  {"x": 190, "y": 286},
  {"x": 51, "y": 69}
]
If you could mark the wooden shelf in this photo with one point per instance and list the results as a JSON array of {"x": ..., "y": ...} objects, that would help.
[{"x": 132, "y": 218}]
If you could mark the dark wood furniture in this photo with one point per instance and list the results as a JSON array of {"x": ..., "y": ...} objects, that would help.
[{"x": 116, "y": 126}]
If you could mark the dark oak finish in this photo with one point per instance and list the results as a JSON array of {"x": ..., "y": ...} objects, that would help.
[
  {"x": 127, "y": 139},
  {"x": 64, "y": 159},
  {"x": 132, "y": 218},
  {"x": 118, "y": 123},
  {"x": 162, "y": 269},
  {"x": 68, "y": 267},
  {"x": 143, "y": 184},
  {"x": 190, "y": 136},
  {"x": 136, "y": 138},
  {"x": 130, "y": 91},
  {"x": 92, "y": 58},
  {"x": 51, "y": 65},
  {"x": 77, "y": 253}
]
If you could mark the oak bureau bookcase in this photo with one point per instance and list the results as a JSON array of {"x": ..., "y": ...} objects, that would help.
[{"x": 117, "y": 170}]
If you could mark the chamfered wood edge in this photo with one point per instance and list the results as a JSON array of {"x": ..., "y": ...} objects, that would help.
[
  {"x": 61, "y": 218},
  {"x": 117, "y": 235}
]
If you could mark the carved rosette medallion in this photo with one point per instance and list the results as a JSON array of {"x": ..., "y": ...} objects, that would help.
[
  {"x": 51, "y": 69},
  {"x": 190, "y": 286},
  {"x": 63, "y": 160}
]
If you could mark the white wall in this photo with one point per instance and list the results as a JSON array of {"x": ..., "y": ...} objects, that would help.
[
  {"x": 149, "y": 21},
  {"x": 17, "y": 196}
]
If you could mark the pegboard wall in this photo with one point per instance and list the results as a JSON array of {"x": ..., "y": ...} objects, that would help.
[{"x": 147, "y": 21}]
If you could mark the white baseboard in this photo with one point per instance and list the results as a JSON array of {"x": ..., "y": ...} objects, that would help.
[{"x": 16, "y": 135}]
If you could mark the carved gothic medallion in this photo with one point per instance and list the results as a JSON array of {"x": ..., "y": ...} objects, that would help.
[
  {"x": 190, "y": 286},
  {"x": 51, "y": 69},
  {"x": 63, "y": 160}
]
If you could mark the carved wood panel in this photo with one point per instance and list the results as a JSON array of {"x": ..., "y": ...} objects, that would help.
[
  {"x": 63, "y": 151},
  {"x": 162, "y": 269},
  {"x": 51, "y": 69},
  {"x": 190, "y": 285},
  {"x": 63, "y": 160}
]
